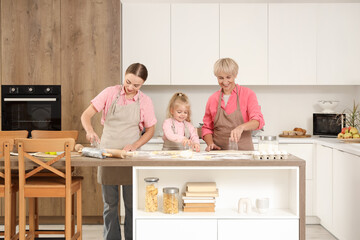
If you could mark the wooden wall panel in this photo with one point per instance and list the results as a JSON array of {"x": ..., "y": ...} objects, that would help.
[
  {"x": 90, "y": 62},
  {"x": 90, "y": 56},
  {"x": 30, "y": 41}
]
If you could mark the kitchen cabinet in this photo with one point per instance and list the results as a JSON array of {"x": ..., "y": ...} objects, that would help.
[
  {"x": 243, "y": 37},
  {"x": 346, "y": 195},
  {"x": 279, "y": 183},
  {"x": 306, "y": 152},
  {"x": 281, "y": 229},
  {"x": 324, "y": 185},
  {"x": 194, "y": 43},
  {"x": 292, "y": 44},
  {"x": 165, "y": 229},
  {"x": 338, "y": 44},
  {"x": 146, "y": 39}
]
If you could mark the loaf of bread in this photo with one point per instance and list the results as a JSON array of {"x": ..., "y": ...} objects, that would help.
[{"x": 299, "y": 131}]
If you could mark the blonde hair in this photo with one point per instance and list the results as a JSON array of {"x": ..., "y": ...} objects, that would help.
[
  {"x": 227, "y": 66},
  {"x": 178, "y": 99}
]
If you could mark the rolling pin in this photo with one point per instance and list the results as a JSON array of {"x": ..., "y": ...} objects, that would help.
[{"x": 101, "y": 153}]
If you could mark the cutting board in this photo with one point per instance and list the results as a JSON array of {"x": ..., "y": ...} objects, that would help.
[{"x": 294, "y": 136}]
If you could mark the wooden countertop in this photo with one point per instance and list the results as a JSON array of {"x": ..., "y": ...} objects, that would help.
[{"x": 144, "y": 159}]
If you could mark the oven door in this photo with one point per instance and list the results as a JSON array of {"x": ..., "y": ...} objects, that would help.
[{"x": 31, "y": 113}]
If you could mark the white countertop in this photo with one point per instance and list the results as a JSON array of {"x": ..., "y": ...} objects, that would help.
[{"x": 352, "y": 148}]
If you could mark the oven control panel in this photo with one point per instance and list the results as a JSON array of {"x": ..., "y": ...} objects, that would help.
[{"x": 31, "y": 90}]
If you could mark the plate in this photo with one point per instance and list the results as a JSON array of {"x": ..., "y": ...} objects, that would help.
[
  {"x": 295, "y": 136},
  {"x": 350, "y": 140}
]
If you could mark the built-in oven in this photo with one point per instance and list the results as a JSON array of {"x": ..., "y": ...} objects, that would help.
[{"x": 31, "y": 107}]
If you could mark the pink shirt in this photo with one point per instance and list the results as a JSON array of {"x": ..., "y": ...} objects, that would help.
[
  {"x": 103, "y": 101},
  {"x": 249, "y": 106},
  {"x": 180, "y": 129}
]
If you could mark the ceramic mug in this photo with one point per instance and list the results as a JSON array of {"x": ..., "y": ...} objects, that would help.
[{"x": 262, "y": 205}]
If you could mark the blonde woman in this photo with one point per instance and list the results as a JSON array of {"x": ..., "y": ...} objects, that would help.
[
  {"x": 232, "y": 112},
  {"x": 177, "y": 128}
]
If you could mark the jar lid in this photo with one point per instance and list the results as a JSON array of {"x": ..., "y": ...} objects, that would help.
[
  {"x": 268, "y": 138},
  {"x": 170, "y": 190},
  {"x": 151, "y": 179}
]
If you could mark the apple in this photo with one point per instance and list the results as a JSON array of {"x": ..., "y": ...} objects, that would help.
[
  {"x": 347, "y": 135},
  {"x": 356, "y": 135},
  {"x": 344, "y": 130},
  {"x": 340, "y": 135},
  {"x": 353, "y": 130}
]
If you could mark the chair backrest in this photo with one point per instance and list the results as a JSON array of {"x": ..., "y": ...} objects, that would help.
[
  {"x": 62, "y": 145},
  {"x": 36, "y": 134},
  {"x": 6, "y": 145},
  {"x": 14, "y": 134}
]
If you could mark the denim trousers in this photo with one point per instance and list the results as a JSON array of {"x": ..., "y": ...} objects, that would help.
[{"x": 110, "y": 195}]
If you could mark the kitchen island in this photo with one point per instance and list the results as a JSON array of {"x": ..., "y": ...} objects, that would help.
[{"x": 282, "y": 181}]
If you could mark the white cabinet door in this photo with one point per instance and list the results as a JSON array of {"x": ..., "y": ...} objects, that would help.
[
  {"x": 306, "y": 152},
  {"x": 338, "y": 47},
  {"x": 346, "y": 201},
  {"x": 194, "y": 43},
  {"x": 146, "y": 39},
  {"x": 256, "y": 229},
  {"x": 166, "y": 229},
  {"x": 292, "y": 44},
  {"x": 324, "y": 185},
  {"x": 243, "y": 37}
]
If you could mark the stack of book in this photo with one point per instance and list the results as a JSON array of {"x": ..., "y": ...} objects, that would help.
[{"x": 200, "y": 197}]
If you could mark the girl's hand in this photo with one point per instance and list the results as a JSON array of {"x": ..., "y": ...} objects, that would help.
[
  {"x": 92, "y": 137},
  {"x": 130, "y": 148},
  {"x": 236, "y": 133},
  {"x": 186, "y": 142},
  {"x": 196, "y": 147},
  {"x": 212, "y": 146}
]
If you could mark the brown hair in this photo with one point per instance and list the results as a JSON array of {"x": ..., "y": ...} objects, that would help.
[
  {"x": 138, "y": 70},
  {"x": 177, "y": 99}
]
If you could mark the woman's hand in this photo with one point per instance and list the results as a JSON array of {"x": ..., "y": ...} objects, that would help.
[
  {"x": 212, "y": 146},
  {"x": 130, "y": 148},
  {"x": 196, "y": 147},
  {"x": 91, "y": 136},
  {"x": 236, "y": 133}
]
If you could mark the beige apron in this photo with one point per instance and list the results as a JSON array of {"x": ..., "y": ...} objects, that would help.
[
  {"x": 121, "y": 128},
  {"x": 224, "y": 123},
  {"x": 170, "y": 145}
]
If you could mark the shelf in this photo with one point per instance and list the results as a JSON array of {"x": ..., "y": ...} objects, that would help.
[{"x": 219, "y": 214}]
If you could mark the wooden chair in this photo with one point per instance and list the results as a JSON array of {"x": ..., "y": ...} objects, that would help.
[
  {"x": 63, "y": 185},
  {"x": 14, "y": 134},
  {"x": 8, "y": 190},
  {"x": 55, "y": 134}
]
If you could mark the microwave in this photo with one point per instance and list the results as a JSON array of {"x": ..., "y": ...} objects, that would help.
[{"x": 328, "y": 124}]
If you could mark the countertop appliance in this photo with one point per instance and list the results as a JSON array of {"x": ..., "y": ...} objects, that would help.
[
  {"x": 328, "y": 124},
  {"x": 31, "y": 107}
]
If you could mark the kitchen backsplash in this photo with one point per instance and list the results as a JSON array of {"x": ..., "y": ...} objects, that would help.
[{"x": 283, "y": 107}]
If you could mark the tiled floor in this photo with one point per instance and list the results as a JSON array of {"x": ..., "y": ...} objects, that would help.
[{"x": 94, "y": 232}]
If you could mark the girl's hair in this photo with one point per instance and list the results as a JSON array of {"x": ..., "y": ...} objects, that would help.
[
  {"x": 178, "y": 99},
  {"x": 227, "y": 66},
  {"x": 138, "y": 70}
]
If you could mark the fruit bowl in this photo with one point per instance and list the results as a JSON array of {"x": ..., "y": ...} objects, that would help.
[{"x": 328, "y": 106}]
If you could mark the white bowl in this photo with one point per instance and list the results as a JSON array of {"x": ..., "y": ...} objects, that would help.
[{"x": 328, "y": 106}]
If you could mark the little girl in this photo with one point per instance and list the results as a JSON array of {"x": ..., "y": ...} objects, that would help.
[{"x": 178, "y": 130}]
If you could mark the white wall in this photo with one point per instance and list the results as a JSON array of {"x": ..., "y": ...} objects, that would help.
[{"x": 283, "y": 107}]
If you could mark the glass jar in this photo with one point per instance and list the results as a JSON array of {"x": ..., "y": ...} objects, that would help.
[
  {"x": 151, "y": 194},
  {"x": 268, "y": 143},
  {"x": 171, "y": 200}
]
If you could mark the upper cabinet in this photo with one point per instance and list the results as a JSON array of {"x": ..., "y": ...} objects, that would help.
[
  {"x": 292, "y": 44},
  {"x": 338, "y": 47},
  {"x": 146, "y": 39},
  {"x": 194, "y": 43},
  {"x": 243, "y": 37},
  {"x": 273, "y": 43}
]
